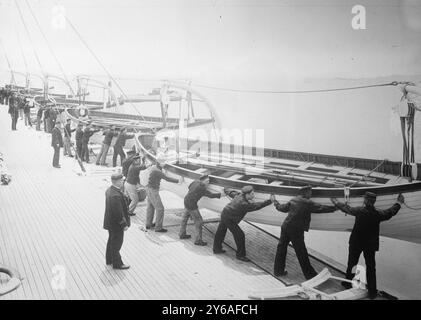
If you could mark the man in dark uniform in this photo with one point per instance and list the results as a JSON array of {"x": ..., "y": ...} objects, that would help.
[
  {"x": 295, "y": 224},
  {"x": 56, "y": 143},
  {"x": 197, "y": 189},
  {"x": 47, "y": 120},
  {"x": 87, "y": 134},
  {"x": 119, "y": 145},
  {"x": 132, "y": 182},
  {"x": 365, "y": 236},
  {"x": 231, "y": 216},
  {"x": 116, "y": 221},
  {"x": 78, "y": 138},
  {"x": 13, "y": 110},
  {"x": 53, "y": 117},
  {"x": 39, "y": 117}
]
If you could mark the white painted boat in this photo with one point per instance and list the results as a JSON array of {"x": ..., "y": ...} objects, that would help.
[{"x": 270, "y": 177}]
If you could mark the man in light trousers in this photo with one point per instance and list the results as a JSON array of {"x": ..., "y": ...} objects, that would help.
[{"x": 154, "y": 199}]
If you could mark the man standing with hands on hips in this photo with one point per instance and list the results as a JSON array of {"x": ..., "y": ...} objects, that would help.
[{"x": 116, "y": 221}]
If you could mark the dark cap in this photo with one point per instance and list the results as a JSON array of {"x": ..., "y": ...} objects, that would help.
[
  {"x": 370, "y": 195},
  {"x": 204, "y": 177},
  {"x": 247, "y": 189},
  {"x": 137, "y": 156},
  {"x": 116, "y": 176}
]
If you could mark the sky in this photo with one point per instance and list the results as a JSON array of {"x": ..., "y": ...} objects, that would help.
[{"x": 248, "y": 44}]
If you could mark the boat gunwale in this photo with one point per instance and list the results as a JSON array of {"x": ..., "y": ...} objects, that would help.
[{"x": 287, "y": 190}]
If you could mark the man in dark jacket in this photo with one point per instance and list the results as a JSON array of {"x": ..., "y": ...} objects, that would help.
[
  {"x": 295, "y": 224},
  {"x": 119, "y": 145},
  {"x": 78, "y": 138},
  {"x": 154, "y": 199},
  {"x": 53, "y": 116},
  {"x": 47, "y": 121},
  {"x": 68, "y": 138},
  {"x": 56, "y": 143},
  {"x": 132, "y": 182},
  {"x": 365, "y": 236},
  {"x": 13, "y": 110},
  {"x": 87, "y": 134},
  {"x": 108, "y": 137},
  {"x": 116, "y": 221},
  {"x": 39, "y": 117},
  {"x": 197, "y": 189},
  {"x": 231, "y": 216}
]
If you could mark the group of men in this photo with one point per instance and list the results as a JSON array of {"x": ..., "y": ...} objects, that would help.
[
  {"x": 19, "y": 107},
  {"x": 83, "y": 133},
  {"x": 364, "y": 236}
]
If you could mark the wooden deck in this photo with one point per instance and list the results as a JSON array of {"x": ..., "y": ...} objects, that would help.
[{"x": 51, "y": 225}]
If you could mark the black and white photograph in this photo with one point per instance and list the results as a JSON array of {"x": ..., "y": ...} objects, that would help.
[{"x": 218, "y": 152}]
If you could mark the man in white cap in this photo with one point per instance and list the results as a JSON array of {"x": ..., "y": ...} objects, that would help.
[
  {"x": 231, "y": 216},
  {"x": 154, "y": 199},
  {"x": 116, "y": 221}
]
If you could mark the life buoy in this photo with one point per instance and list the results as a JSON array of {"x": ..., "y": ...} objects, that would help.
[
  {"x": 13, "y": 283},
  {"x": 82, "y": 111}
]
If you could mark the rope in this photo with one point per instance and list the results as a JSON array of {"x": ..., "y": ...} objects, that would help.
[
  {"x": 100, "y": 63},
  {"x": 29, "y": 36},
  {"x": 21, "y": 50},
  {"x": 49, "y": 46},
  {"x": 366, "y": 175},
  {"x": 411, "y": 208},
  {"x": 394, "y": 83}
]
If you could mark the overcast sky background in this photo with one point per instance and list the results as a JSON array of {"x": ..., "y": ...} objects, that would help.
[{"x": 249, "y": 44}]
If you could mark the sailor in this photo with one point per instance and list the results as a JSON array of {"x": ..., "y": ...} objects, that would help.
[
  {"x": 78, "y": 138},
  {"x": 108, "y": 137},
  {"x": 154, "y": 199},
  {"x": 127, "y": 162},
  {"x": 47, "y": 120},
  {"x": 27, "y": 111},
  {"x": 68, "y": 138},
  {"x": 13, "y": 110},
  {"x": 295, "y": 224},
  {"x": 365, "y": 236},
  {"x": 39, "y": 117},
  {"x": 21, "y": 105},
  {"x": 116, "y": 221},
  {"x": 56, "y": 143},
  {"x": 231, "y": 216},
  {"x": 53, "y": 116},
  {"x": 87, "y": 134},
  {"x": 197, "y": 189},
  {"x": 132, "y": 183},
  {"x": 119, "y": 145}
]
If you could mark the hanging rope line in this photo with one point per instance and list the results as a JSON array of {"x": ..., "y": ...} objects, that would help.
[
  {"x": 7, "y": 58},
  {"x": 394, "y": 83},
  {"x": 49, "y": 47},
  {"x": 21, "y": 50},
  {"x": 30, "y": 39},
  {"x": 101, "y": 64}
]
